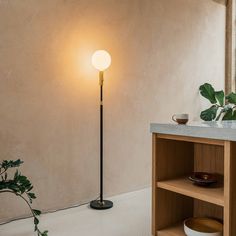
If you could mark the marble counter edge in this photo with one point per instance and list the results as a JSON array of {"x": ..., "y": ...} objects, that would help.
[{"x": 227, "y": 134}]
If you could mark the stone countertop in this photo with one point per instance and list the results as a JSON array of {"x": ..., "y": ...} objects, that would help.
[{"x": 225, "y": 130}]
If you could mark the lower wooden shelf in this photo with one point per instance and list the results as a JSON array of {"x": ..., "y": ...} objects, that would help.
[
  {"x": 177, "y": 230},
  {"x": 185, "y": 187}
]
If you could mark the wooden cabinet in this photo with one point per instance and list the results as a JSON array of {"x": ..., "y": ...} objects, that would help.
[{"x": 175, "y": 198}]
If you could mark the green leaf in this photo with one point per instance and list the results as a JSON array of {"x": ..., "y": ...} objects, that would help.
[
  {"x": 36, "y": 221},
  {"x": 230, "y": 115},
  {"x": 30, "y": 188},
  {"x": 31, "y": 195},
  {"x": 37, "y": 212},
  {"x": 209, "y": 114},
  {"x": 45, "y": 233},
  {"x": 11, "y": 164},
  {"x": 5, "y": 177},
  {"x": 220, "y": 95},
  {"x": 207, "y": 91},
  {"x": 231, "y": 98},
  {"x": 16, "y": 175}
]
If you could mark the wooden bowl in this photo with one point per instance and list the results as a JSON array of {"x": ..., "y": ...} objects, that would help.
[
  {"x": 203, "y": 227},
  {"x": 203, "y": 178}
]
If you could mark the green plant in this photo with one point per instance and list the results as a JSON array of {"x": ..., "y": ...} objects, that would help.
[
  {"x": 222, "y": 106},
  {"x": 20, "y": 186}
]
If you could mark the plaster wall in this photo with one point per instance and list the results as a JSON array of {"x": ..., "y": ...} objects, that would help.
[{"x": 162, "y": 50}]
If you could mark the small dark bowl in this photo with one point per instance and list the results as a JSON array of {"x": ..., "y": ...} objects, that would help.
[{"x": 203, "y": 178}]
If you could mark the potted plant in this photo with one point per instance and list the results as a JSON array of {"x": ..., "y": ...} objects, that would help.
[
  {"x": 223, "y": 107},
  {"x": 20, "y": 186}
]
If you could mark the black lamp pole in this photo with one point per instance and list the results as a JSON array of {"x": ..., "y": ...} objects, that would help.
[{"x": 101, "y": 204}]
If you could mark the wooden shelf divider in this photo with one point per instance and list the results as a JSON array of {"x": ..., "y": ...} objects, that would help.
[{"x": 185, "y": 187}]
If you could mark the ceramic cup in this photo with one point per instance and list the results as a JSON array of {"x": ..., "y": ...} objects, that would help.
[{"x": 181, "y": 119}]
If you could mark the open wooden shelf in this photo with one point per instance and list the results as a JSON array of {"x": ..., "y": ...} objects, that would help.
[
  {"x": 175, "y": 198},
  {"x": 177, "y": 230},
  {"x": 185, "y": 187}
]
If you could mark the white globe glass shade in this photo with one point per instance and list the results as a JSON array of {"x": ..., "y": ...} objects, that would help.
[{"x": 101, "y": 60}]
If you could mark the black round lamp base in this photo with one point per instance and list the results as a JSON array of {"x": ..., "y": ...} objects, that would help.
[{"x": 98, "y": 205}]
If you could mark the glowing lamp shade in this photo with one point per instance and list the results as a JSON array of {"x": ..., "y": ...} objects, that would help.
[{"x": 101, "y": 60}]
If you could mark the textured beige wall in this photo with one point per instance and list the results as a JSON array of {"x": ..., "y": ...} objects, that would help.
[{"x": 162, "y": 50}]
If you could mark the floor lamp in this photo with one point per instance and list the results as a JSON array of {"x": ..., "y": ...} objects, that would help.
[{"x": 101, "y": 60}]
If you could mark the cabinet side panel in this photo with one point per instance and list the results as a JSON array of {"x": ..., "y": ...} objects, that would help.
[
  {"x": 230, "y": 189},
  {"x": 233, "y": 188},
  {"x": 227, "y": 190},
  {"x": 154, "y": 180}
]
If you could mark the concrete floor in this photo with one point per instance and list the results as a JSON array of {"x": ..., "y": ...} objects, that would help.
[{"x": 130, "y": 216}]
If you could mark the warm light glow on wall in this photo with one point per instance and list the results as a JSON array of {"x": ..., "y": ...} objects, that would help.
[{"x": 101, "y": 60}]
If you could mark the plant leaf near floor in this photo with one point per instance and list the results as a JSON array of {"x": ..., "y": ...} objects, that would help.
[
  {"x": 20, "y": 186},
  {"x": 223, "y": 107}
]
